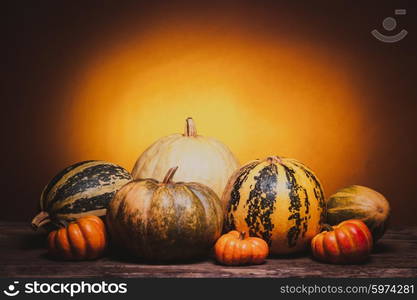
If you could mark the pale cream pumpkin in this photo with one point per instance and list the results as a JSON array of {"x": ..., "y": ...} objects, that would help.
[{"x": 200, "y": 159}]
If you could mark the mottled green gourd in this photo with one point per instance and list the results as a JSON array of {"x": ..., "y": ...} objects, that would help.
[
  {"x": 164, "y": 221},
  {"x": 359, "y": 202}
]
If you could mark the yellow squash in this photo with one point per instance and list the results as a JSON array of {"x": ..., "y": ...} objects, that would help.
[{"x": 201, "y": 159}]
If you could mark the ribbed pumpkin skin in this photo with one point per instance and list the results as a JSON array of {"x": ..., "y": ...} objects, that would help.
[
  {"x": 277, "y": 199},
  {"x": 201, "y": 159},
  {"x": 349, "y": 242},
  {"x": 359, "y": 202},
  {"x": 165, "y": 221},
  {"x": 84, "y": 188},
  {"x": 83, "y": 239},
  {"x": 234, "y": 249}
]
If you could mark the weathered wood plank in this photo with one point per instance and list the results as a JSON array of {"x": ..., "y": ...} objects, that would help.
[{"x": 22, "y": 254}]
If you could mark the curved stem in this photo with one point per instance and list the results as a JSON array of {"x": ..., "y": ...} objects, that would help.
[
  {"x": 40, "y": 219},
  {"x": 274, "y": 159},
  {"x": 326, "y": 227},
  {"x": 63, "y": 223},
  {"x": 190, "y": 129},
  {"x": 169, "y": 175},
  {"x": 242, "y": 235}
]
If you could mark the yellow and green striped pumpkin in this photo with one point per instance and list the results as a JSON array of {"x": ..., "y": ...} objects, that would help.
[
  {"x": 84, "y": 188},
  {"x": 277, "y": 199}
]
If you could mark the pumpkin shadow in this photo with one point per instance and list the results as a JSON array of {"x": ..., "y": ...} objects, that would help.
[
  {"x": 121, "y": 256},
  {"x": 215, "y": 262},
  {"x": 362, "y": 263},
  {"x": 288, "y": 256},
  {"x": 381, "y": 247},
  {"x": 47, "y": 256},
  {"x": 29, "y": 241}
]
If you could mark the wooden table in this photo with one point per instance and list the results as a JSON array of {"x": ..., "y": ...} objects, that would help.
[{"x": 22, "y": 254}]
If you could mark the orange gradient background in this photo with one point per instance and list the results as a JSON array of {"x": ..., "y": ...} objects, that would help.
[
  {"x": 259, "y": 96},
  {"x": 268, "y": 79}
]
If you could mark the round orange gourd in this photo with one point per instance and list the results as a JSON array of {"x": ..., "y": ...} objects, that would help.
[
  {"x": 82, "y": 239},
  {"x": 347, "y": 243},
  {"x": 234, "y": 248}
]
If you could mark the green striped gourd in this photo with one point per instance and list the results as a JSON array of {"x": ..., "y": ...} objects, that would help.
[
  {"x": 84, "y": 188},
  {"x": 277, "y": 199},
  {"x": 360, "y": 202}
]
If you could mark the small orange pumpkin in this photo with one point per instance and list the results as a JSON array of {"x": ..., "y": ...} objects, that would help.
[
  {"x": 83, "y": 239},
  {"x": 233, "y": 248},
  {"x": 346, "y": 243}
]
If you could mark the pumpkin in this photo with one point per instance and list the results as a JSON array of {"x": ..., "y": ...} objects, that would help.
[
  {"x": 277, "y": 199},
  {"x": 82, "y": 239},
  {"x": 349, "y": 242},
  {"x": 165, "y": 220},
  {"x": 234, "y": 248},
  {"x": 359, "y": 202},
  {"x": 84, "y": 188},
  {"x": 202, "y": 159}
]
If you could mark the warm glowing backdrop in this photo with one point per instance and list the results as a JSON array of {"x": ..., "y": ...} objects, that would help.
[
  {"x": 273, "y": 79},
  {"x": 259, "y": 96}
]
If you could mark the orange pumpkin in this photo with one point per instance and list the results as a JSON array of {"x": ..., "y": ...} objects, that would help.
[
  {"x": 234, "y": 248},
  {"x": 346, "y": 243},
  {"x": 83, "y": 239}
]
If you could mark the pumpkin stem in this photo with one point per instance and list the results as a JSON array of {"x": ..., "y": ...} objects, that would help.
[
  {"x": 40, "y": 219},
  {"x": 169, "y": 175},
  {"x": 274, "y": 159},
  {"x": 62, "y": 223},
  {"x": 326, "y": 227},
  {"x": 190, "y": 129},
  {"x": 242, "y": 235}
]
